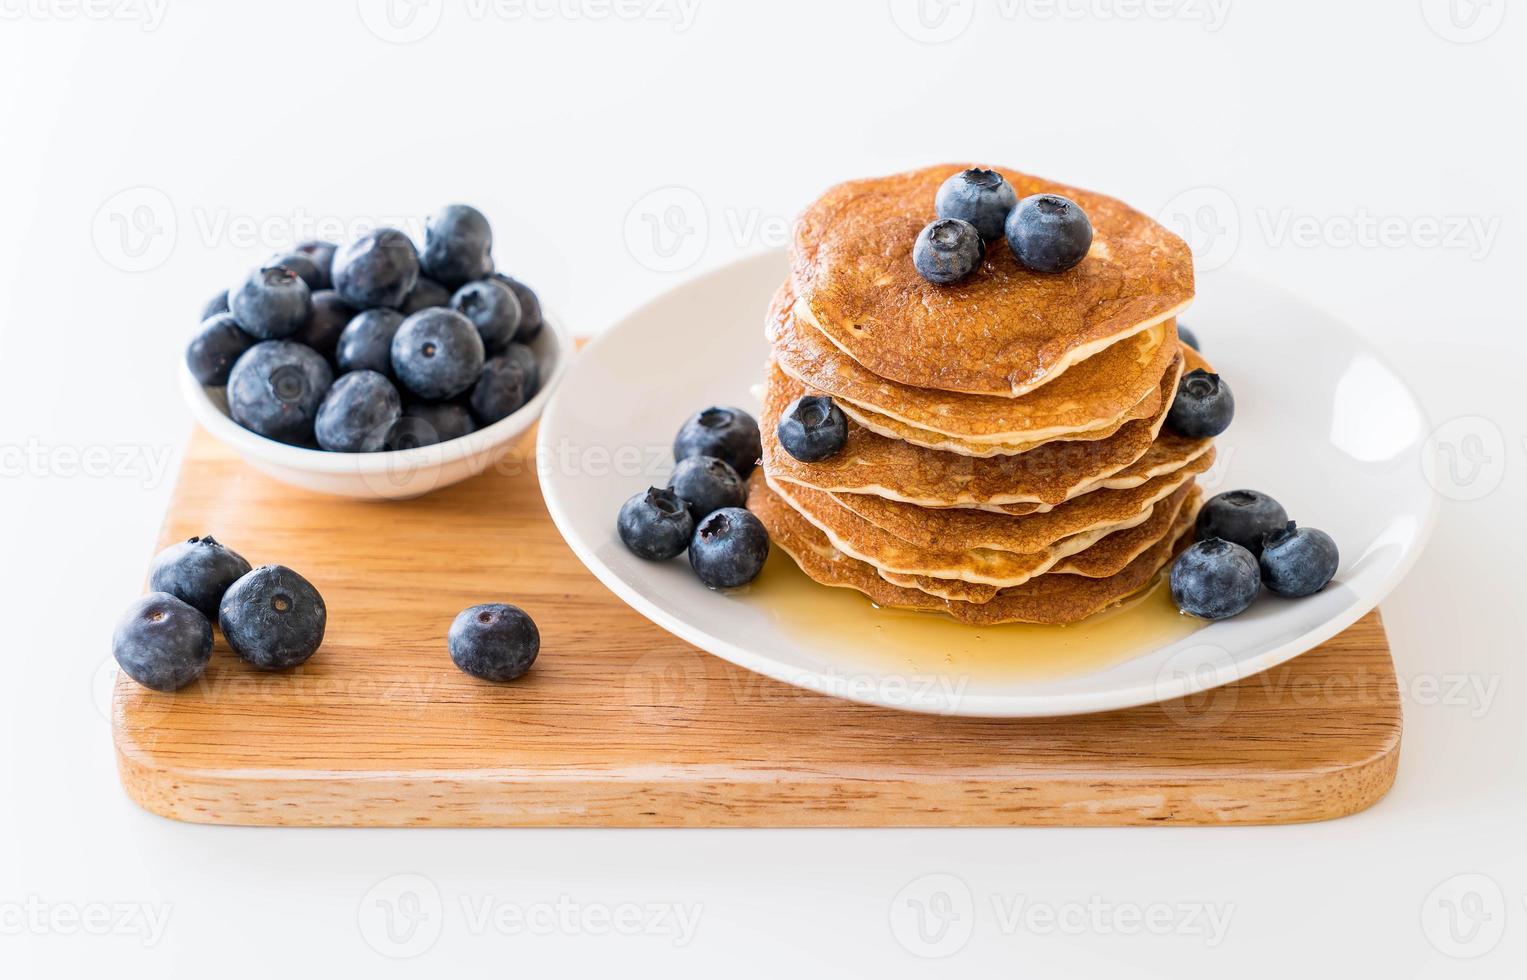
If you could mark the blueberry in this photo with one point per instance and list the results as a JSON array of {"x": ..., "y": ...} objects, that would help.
[
  {"x": 728, "y": 548},
  {"x": 492, "y": 308},
  {"x": 729, "y": 433},
  {"x": 812, "y": 428},
  {"x": 377, "y": 269},
  {"x": 1242, "y": 517},
  {"x": 271, "y": 303},
  {"x": 330, "y": 316},
  {"x": 321, "y": 254},
  {"x": 215, "y": 305},
  {"x": 358, "y": 413},
  {"x": 981, "y": 197},
  {"x": 1298, "y": 561},
  {"x": 948, "y": 250},
  {"x": 197, "y": 572},
  {"x": 531, "y": 318},
  {"x": 1048, "y": 233},
  {"x": 426, "y": 293},
  {"x": 458, "y": 245},
  {"x": 499, "y": 391},
  {"x": 366, "y": 342},
  {"x": 1203, "y": 407},
  {"x": 428, "y": 423},
  {"x": 1214, "y": 579},
  {"x": 275, "y": 389},
  {"x": 655, "y": 524},
  {"x": 707, "y": 484},
  {"x": 1188, "y": 337},
  {"x": 302, "y": 266},
  {"x": 273, "y": 618},
  {"x": 161, "y": 642},
  {"x": 437, "y": 353},
  {"x": 526, "y": 359},
  {"x": 494, "y": 641},
  {"x": 213, "y": 351}
]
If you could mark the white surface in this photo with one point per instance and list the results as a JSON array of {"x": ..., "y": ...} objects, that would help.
[
  {"x": 1291, "y": 125},
  {"x": 1349, "y": 423},
  {"x": 398, "y": 475}
]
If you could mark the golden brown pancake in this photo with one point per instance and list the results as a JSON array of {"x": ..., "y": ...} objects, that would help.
[
  {"x": 872, "y": 463},
  {"x": 1046, "y": 599},
  {"x": 1001, "y": 331},
  {"x": 1096, "y": 396},
  {"x": 1168, "y": 453}
]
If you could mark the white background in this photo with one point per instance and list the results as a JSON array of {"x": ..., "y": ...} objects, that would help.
[{"x": 1367, "y": 154}]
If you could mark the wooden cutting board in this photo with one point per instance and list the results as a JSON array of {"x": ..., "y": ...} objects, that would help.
[{"x": 622, "y": 725}]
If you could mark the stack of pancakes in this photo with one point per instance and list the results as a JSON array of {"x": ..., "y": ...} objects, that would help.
[{"x": 1006, "y": 457}]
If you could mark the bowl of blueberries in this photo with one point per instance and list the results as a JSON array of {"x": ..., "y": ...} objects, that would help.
[{"x": 376, "y": 369}]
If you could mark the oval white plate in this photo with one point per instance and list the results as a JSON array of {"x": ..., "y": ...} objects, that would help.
[{"x": 1322, "y": 424}]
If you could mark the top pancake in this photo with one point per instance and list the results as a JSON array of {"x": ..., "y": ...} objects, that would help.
[
  {"x": 1001, "y": 331},
  {"x": 1100, "y": 393}
]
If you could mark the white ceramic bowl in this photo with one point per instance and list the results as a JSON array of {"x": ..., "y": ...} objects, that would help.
[
  {"x": 1322, "y": 423},
  {"x": 389, "y": 475}
]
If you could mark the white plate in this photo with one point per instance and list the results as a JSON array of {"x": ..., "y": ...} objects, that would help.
[{"x": 1323, "y": 424}]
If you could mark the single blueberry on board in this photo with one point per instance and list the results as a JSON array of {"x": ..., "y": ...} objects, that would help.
[
  {"x": 493, "y": 310},
  {"x": 273, "y": 618},
  {"x": 429, "y": 423},
  {"x": 494, "y": 641},
  {"x": 330, "y": 316},
  {"x": 531, "y": 318},
  {"x": 1048, "y": 233},
  {"x": 161, "y": 642},
  {"x": 426, "y": 293},
  {"x": 729, "y": 548},
  {"x": 499, "y": 391},
  {"x": 275, "y": 389},
  {"x": 947, "y": 251},
  {"x": 365, "y": 344},
  {"x": 1203, "y": 406},
  {"x": 216, "y": 348},
  {"x": 981, "y": 197},
  {"x": 812, "y": 428},
  {"x": 437, "y": 354},
  {"x": 707, "y": 484},
  {"x": 1298, "y": 561},
  {"x": 358, "y": 413},
  {"x": 458, "y": 246},
  {"x": 271, "y": 303},
  {"x": 655, "y": 524},
  {"x": 1241, "y": 516},
  {"x": 377, "y": 269},
  {"x": 1215, "y": 579},
  {"x": 197, "y": 572},
  {"x": 729, "y": 433}
]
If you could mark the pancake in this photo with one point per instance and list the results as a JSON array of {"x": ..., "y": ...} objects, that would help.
[
  {"x": 872, "y": 463},
  {"x": 1052, "y": 599},
  {"x": 860, "y": 539},
  {"x": 962, "y": 529},
  {"x": 1096, "y": 396},
  {"x": 1168, "y": 453},
  {"x": 1001, "y": 331}
]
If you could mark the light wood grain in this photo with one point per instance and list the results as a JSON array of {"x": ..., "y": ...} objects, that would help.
[{"x": 620, "y": 724}]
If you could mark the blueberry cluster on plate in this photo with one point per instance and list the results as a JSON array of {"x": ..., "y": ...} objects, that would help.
[
  {"x": 1046, "y": 232},
  {"x": 272, "y": 617},
  {"x": 374, "y": 345},
  {"x": 1244, "y": 541},
  {"x": 701, "y": 509}
]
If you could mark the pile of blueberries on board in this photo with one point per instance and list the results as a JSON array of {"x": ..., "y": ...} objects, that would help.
[
  {"x": 374, "y": 345},
  {"x": 274, "y": 619}
]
